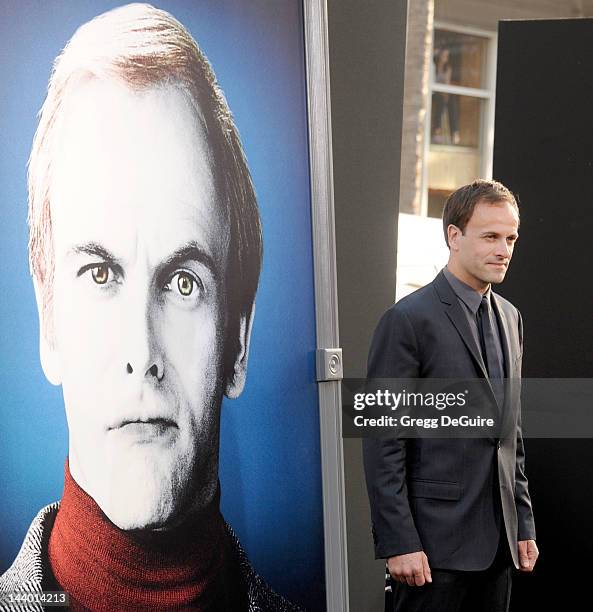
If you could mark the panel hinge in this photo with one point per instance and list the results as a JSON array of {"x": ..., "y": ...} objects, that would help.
[{"x": 329, "y": 364}]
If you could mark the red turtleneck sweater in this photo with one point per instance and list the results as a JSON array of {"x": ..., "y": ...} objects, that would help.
[{"x": 105, "y": 569}]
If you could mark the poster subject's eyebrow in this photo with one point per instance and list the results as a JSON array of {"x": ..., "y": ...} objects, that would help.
[
  {"x": 188, "y": 252},
  {"x": 94, "y": 249}
]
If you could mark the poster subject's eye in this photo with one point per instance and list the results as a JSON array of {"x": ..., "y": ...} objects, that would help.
[
  {"x": 185, "y": 283},
  {"x": 100, "y": 274}
]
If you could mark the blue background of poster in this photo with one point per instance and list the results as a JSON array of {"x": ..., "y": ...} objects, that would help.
[{"x": 270, "y": 458}]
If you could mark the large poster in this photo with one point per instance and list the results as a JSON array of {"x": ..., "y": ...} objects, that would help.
[{"x": 134, "y": 281}]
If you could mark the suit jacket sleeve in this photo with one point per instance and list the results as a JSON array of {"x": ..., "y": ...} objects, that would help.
[
  {"x": 393, "y": 354},
  {"x": 526, "y": 524}
]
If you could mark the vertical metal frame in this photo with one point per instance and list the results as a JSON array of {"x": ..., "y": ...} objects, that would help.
[{"x": 326, "y": 300}]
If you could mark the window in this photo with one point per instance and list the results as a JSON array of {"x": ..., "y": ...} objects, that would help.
[{"x": 460, "y": 117}]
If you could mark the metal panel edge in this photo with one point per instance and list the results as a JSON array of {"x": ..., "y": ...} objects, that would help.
[{"x": 326, "y": 300}]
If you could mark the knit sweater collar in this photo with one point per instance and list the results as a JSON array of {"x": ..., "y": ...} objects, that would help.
[{"x": 105, "y": 569}]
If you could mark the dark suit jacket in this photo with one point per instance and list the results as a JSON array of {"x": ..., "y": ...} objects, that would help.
[{"x": 452, "y": 498}]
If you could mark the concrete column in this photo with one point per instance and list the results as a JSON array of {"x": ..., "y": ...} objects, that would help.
[{"x": 418, "y": 45}]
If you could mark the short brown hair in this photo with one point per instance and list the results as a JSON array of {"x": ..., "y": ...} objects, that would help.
[{"x": 460, "y": 205}]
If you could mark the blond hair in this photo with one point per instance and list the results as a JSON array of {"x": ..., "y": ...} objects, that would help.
[{"x": 144, "y": 47}]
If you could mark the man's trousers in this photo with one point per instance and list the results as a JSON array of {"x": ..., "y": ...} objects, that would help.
[{"x": 456, "y": 591}]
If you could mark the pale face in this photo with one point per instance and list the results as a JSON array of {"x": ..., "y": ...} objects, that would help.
[
  {"x": 481, "y": 255},
  {"x": 141, "y": 245}
]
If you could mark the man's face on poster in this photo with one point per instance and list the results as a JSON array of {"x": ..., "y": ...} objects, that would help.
[{"x": 141, "y": 245}]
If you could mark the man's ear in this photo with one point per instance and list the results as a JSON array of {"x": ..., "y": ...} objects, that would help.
[
  {"x": 236, "y": 378},
  {"x": 453, "y": 234},
  {"x": 47, "y": 352}
]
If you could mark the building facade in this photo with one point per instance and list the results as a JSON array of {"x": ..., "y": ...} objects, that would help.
[{"x": 448, "y": 115}]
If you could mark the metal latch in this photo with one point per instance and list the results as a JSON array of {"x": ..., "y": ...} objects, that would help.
[{"x": 329, "y": 364}]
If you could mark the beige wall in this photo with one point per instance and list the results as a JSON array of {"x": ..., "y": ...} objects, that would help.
[
  {"x": 481, "y": 14},
  {"x": 485, "y": 14}
]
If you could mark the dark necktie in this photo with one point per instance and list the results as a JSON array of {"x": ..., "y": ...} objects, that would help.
[{"x": 489, "y": 353}]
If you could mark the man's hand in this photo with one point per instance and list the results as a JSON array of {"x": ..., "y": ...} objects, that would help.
[
  {"x": 411, "y": 568},
  {"x": 528, "y": 554}
]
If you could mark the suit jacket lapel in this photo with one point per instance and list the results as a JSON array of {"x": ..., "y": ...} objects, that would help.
[
  {"x": 459, "y": 320},
  {"x": 509, "y": 353},
  {"x": 504, "y": 334}
]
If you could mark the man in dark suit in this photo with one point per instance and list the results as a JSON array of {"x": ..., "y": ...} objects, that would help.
[{"x": 452, "y": 516}]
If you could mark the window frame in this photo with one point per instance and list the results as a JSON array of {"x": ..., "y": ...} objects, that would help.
[{"x": 487, "y": 94}]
